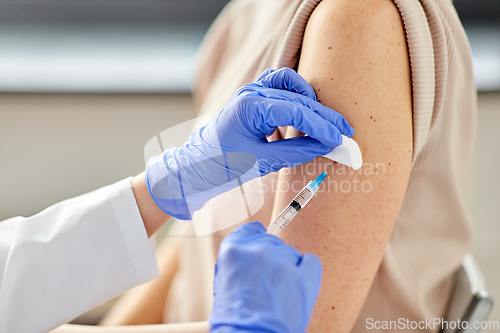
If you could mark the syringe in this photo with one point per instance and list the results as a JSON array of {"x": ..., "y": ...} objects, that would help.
[{"x": 293, "y": 208}]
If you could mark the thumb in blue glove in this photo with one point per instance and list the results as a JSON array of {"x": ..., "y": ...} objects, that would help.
[
  {"x": 232, "y": 148},
  {"x": 262, "y": 284}
]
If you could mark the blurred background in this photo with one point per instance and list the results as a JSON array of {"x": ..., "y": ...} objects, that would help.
[{"x": 84, "y": 84}]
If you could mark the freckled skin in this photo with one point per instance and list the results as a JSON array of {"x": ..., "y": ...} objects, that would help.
[{"x": 365, "y": 77}]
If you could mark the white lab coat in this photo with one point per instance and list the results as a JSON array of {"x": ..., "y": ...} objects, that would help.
[{"x": 71, "y": 257}]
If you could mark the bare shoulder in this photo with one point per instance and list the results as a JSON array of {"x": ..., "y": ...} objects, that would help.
[
  {"x": 366, "y": 20},
  {"x": 355, "y": 55}
]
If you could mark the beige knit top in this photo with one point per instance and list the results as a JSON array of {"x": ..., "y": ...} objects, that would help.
[{"x": 433, "y": 231}]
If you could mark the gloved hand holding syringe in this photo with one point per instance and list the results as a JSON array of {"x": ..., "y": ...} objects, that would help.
[{"x": 231, "y": 150}]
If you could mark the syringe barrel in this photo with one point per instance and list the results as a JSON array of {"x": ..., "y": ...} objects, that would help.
[
  {"x": 291, "y": 210},
  {"x": 305, "y": 195},
  {"x": 281, "y": 221}
]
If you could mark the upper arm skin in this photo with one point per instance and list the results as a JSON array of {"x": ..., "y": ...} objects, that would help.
[{"x": 355, "y": 56}]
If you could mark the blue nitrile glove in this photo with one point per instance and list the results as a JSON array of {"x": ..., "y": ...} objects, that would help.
[
  {"x": 232, "y": 148},
  {"x": 262, "y": 284}
]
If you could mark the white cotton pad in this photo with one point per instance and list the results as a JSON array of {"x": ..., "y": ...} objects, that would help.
[{"x": 347, "y": 153}]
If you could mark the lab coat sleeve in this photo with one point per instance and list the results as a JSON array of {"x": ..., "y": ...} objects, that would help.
[{"x": 71, "y": 257}]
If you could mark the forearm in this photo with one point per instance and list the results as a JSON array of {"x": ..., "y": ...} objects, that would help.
[
  {"x": 145, "y": 304},
  {"x": 198, "y": 327},
  {"x": 152, "y": 216}
]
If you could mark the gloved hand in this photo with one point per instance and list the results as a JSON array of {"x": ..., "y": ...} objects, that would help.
[
  {"x": 232, "y": 148},
  {"x": 262, "y": 284}
]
